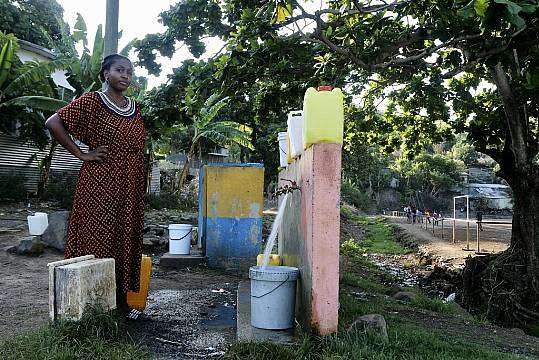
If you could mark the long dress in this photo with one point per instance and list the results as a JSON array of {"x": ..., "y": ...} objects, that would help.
[{"x": 107, "y": 218}]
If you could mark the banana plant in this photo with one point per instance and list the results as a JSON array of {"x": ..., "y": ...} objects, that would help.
[
  {"x": 6, "y": 57},
  {"x": 222, "y": 133}
]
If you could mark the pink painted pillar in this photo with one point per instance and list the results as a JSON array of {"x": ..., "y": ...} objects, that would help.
[{"x": 309, "y": 235}]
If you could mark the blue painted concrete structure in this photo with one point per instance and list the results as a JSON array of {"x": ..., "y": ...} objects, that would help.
[{"x": 230, "y": 214}]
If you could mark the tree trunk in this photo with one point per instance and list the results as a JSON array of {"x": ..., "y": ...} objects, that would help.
[
  {"x": 185, "y": 170},
  {"x": 45, "y": 170},
  {"x": 506, "y": 285}
]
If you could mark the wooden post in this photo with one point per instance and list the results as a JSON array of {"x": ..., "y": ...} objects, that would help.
[
  {"x": 467, "y": 235},
  {"x": 478, "y": 238},
  {"x": 442, "y": 228},
  {"x": 111, "y": 27},
  {"x": 454, "y": 224}
]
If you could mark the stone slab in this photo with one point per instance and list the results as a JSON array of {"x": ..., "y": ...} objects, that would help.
[
  {"x": 81, "y": 284},
  {"x": 182, "y": 261},
  {"x": 248, "y": 333}
]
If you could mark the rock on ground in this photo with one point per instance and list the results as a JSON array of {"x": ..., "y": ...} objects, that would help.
[
  {"x": 56, "y": 234},
  {"x": 372, "y": 323}
]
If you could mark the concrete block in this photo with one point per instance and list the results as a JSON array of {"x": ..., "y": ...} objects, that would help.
[
  {"x": 75, "y": 284},
  {"x": 309, "y": 235},
  {"x": 182, "y": 261},
  {"x": 230, "y": 214},
  {"x": 248, "y": 333}
]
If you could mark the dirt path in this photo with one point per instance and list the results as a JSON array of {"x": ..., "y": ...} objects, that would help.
[
  {"x": 192, "y": 311},
  {"x": 493, "y": 238}
]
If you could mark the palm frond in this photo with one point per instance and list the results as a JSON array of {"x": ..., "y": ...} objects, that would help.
[
  {"x": 37, "y": 102},
  {"x": 35, "y": 72},
  {"x": 211, "y": 112}
]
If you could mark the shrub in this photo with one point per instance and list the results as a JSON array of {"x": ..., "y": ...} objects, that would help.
[
  {"x": 185, "y": 201},
  {"x": 354, "y": 196},
  {"x": 12, "y": 187},
  {"x": 61, "y": 189},
  {"x": 164, "y": 200}
]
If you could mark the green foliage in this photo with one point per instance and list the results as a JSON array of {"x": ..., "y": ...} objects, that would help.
[
  {"x": 186, "y": 200},
  {"x": 482, "y": 204},
  {"x": 429, "y": 174},
  {"x": 37, "y": 21},
  {"x": 351, "y": 195},
  {"x": 12, "y": 187},
  {"x": 61, "y": 188},
  {"x": 437, "y": 305},
  {"x": 98, "y": 335},
  {"x": 464, "y": 152},
  {"x": 379, "y": 238}
]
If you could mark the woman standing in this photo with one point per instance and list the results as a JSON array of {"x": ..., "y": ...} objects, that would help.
[{"x": 107, "y": 218}]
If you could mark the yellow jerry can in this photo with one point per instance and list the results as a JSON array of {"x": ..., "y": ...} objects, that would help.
[
  {"x": 288, "y": 149},
  {"x": 323, "y": 116},
  {"x": 137, "y": 300},
  {"x": 274, "y": 260}
]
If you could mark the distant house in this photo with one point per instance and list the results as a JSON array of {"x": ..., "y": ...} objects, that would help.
[
  {"x": 175, "y": 162},
  {"x": 19, "y": 157},
  {"x": 482, "y": 182}
]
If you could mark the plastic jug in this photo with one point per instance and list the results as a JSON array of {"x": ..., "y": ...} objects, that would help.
[
  {"x": 137, "y": 300},
  {"x": 283, "y": 145},
  {"x": 295, "y": 124},
  {"x": 323, "y": 116},
  {"x": 38, "y": 223}
]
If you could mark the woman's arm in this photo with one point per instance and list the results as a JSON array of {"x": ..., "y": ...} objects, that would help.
[{"x": 58, "y": 130}]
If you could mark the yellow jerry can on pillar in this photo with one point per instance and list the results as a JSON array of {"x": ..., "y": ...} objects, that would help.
[
  {"x": 323, "y": 116},
  {"x": 274, "y": 260},
  {"x": 137, "y": 300}
]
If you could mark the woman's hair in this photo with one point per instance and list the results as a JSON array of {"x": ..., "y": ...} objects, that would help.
[{"x": 108, "y": 61}]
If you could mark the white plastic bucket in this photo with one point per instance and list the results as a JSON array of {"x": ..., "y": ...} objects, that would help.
[
  {"x": 283, "y": 144},
  {"x": 38, "y": 223},
  {"x": 273, "y": 296},
  {"x": 179, "y": 238},
  {"x": 295, "y": 123}
]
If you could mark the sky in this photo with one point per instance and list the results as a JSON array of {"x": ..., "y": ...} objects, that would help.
[{"x": 136, "y": 18}]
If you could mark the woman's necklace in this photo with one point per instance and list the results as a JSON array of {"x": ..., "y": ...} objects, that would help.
[{"x": 111, "y": 98}]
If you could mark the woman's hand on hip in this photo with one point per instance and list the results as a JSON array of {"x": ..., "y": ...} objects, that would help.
[{"x": 99, "y": 154}]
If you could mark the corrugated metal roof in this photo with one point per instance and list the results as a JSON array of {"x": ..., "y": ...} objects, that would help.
[{"x": 18, "y": 157}]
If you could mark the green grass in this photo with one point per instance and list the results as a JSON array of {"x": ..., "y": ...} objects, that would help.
[
  {"x": 98, "y": 335},
  {"x": 365, "y": 289},
  {"x": 379, "y": 239}
]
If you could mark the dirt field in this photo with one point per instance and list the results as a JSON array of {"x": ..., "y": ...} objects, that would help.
[{"x": 493, "y": 239}]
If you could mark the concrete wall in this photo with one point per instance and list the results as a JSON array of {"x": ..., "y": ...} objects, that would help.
[
  {"x": 309, "y": 235},
  {"x": 231, "y": 202}
]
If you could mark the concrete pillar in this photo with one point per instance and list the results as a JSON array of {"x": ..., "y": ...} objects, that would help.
[
  {"x": 111, "y": 27},
  {"x": 309, "y": 235}
]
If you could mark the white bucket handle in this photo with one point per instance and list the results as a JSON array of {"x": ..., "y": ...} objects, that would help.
[
  {"x": 183, "y": 237},
  {"x": 269, "y": 292}
]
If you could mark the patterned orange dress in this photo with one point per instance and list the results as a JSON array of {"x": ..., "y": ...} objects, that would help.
[{"x": 107, "y": 218}]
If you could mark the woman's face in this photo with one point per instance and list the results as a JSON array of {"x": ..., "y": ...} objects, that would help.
[{"x": 120, "y": 74}]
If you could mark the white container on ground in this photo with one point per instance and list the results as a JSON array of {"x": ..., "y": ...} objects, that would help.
[
  {"x": 273, "y": 296},
  {"x": 38, "y": 223},
  {"x": 295, "y": 131},
  {"x": 179, "y": 236},
  {"x": 282, "y": 139}
]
